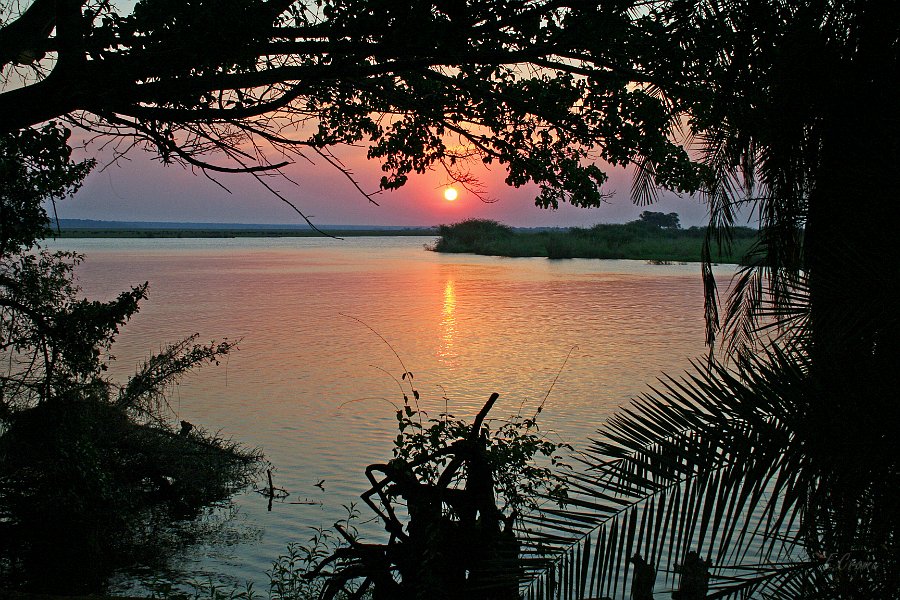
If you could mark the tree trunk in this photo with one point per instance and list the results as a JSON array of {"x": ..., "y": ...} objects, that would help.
[{"x": 850, "y": 246}]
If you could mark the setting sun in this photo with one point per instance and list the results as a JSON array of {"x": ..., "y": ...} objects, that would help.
[{"x": 450, "y": 194}]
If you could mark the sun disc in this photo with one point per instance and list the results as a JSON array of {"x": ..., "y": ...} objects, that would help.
[{"x": 450, "y": 194}]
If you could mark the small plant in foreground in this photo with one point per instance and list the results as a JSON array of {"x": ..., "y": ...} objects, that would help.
[
  {"x": 451, "y": 499},
  {"x": 289, "y": 577},
  {"x": 511, "y": 449}
]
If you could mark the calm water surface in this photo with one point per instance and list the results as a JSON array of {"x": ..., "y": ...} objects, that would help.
[{"x": 310, "y": 385}]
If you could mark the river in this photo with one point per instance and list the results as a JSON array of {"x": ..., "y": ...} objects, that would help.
[{"x": 312, "y": 385}]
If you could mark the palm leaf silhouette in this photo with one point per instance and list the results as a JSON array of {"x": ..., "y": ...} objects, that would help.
[{"x": 716, "y": 463}]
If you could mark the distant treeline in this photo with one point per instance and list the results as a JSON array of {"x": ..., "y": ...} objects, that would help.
[
  {"x": 639, "y": 240},
  {"x": 230, "y": 233}
]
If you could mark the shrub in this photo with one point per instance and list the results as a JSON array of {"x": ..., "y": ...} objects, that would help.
[{"x": 471, "y": 235}]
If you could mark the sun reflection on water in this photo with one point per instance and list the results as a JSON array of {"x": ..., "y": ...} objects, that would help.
[{"x": 446, "y": 351}]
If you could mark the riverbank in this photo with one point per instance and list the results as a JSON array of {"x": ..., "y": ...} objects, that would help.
[{"x": 636, "y": 241}]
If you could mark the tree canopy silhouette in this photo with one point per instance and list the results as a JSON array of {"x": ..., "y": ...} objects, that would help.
[
  {"x": 661, "y": 220},
  {"x": 522, "y": 83}
]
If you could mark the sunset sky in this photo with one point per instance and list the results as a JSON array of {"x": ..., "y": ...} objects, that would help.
[{"x": 141, "y": 189}]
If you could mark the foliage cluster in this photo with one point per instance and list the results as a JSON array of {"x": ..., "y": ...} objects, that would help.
[
  {"x": 513, "y": 451},
  {"x": 472, "y": 233},
  {"x": 90, "y": 471},
  {"x": 658, "y": 219},
  {"x": 449, "y": 499},
  {"x": 635, "y": 240},
  {"x": 34, "y": 161}
]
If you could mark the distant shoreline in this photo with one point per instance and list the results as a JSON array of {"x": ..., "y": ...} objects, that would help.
[{"x": 232, "y": 233}]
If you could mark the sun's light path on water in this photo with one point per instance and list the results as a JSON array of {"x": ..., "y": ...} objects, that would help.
[{"x": 450, "y": 194}]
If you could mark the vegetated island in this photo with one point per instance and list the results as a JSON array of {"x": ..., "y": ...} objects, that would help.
[{"x": 651, "y": 238}]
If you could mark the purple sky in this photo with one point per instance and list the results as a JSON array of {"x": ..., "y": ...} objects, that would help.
[{"x": 141, "y": 189}]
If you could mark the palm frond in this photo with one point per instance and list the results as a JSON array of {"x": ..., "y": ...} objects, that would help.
[
  {"x": 722, "y": 195},
  {"x": 644, "y": 190},
  {"x": 760, "y": 313},
  {"x": 708, "y": 463}
]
